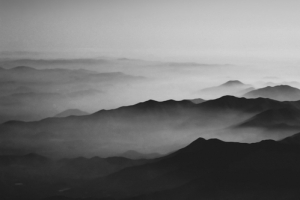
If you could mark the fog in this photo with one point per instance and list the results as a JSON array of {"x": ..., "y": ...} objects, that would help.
[
  {"x": 91, "y": 89},
  {"x": 36, "y": 89},
  {"x": 147, "y": 127},
  {"x": 92, "y": 84}
]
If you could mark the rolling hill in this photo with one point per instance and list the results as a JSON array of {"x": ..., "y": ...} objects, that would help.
[
  {"x": 147, "y": 127},
  {"x": 283, "y": 118},
  {"x": 210, "y": 169},
  {"x": 279, "y": 93}
]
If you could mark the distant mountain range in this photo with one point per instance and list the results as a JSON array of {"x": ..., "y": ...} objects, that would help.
[
  {"x": 76, "y": 155},
  {"x": 239, "y": 89},
  {"x": 280, "y": 93},
  {"x": 159, "y": 126}
]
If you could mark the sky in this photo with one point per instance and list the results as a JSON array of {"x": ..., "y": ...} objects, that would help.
[{"x": 209, "y": 31}]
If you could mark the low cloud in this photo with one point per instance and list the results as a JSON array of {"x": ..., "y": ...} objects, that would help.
[{"x": 28, "y": 93}]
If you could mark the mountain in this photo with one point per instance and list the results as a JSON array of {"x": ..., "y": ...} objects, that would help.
[
  {"x": 233, "y": 87},
  {"x": 149, "y": 126},
  {"x": 283, "y": 118},
  {"x": 279, "y": 93},
  {"x": 232, "y": 103},
  {"x": 137, "y": 155},
  {"x": 294, "y": 139},
  {"x": 233, "y": 83},
  {"x": 71, "y": 112},
  {"x": 209, "y": 169}
]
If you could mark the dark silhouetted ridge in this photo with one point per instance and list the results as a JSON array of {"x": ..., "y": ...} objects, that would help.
[
  {"x": 169, "y": 108},
  {"x": 201, "y": 166},
  {"x": 150, "y": 104},
  {"x": 242, "y": 104}
]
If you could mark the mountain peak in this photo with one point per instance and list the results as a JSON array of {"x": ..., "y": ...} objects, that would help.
[
  {"x": 233, "y": 83},
  {"x": 201, "y": 142}
]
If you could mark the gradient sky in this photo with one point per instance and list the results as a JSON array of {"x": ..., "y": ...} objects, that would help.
[{"x": 216, "y": 31}]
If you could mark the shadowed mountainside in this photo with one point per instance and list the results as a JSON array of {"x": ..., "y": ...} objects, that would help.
[
  {"x": 113, "y": 132},
  {"x": 210, "y": 169},
  {"x": 283, "y": 118},
  {"x": 33, "y": 176}
]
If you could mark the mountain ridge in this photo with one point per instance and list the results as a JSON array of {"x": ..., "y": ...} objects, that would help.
[
  {"x": 200, "y": 161},
  {"x": 133, "y": 125},
  {"x": 278, "y": 92}
]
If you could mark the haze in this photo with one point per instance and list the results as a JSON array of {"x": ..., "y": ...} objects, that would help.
[{"x": 94, "y": 55}]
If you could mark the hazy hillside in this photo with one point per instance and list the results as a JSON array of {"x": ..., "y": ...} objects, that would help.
[
  {"x": 233, "y": 87},
  {"x": 146, "y": 127},
  {"x": 210, "y": 169},
  {"x": 279, "y": 92},
  {"x": 284, "y": 118}
]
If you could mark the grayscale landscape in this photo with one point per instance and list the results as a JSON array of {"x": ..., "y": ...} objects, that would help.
[{"x": 149, "y": 100}]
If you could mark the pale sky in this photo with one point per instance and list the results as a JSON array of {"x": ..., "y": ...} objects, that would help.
[{"x": 217, "y": 31}]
